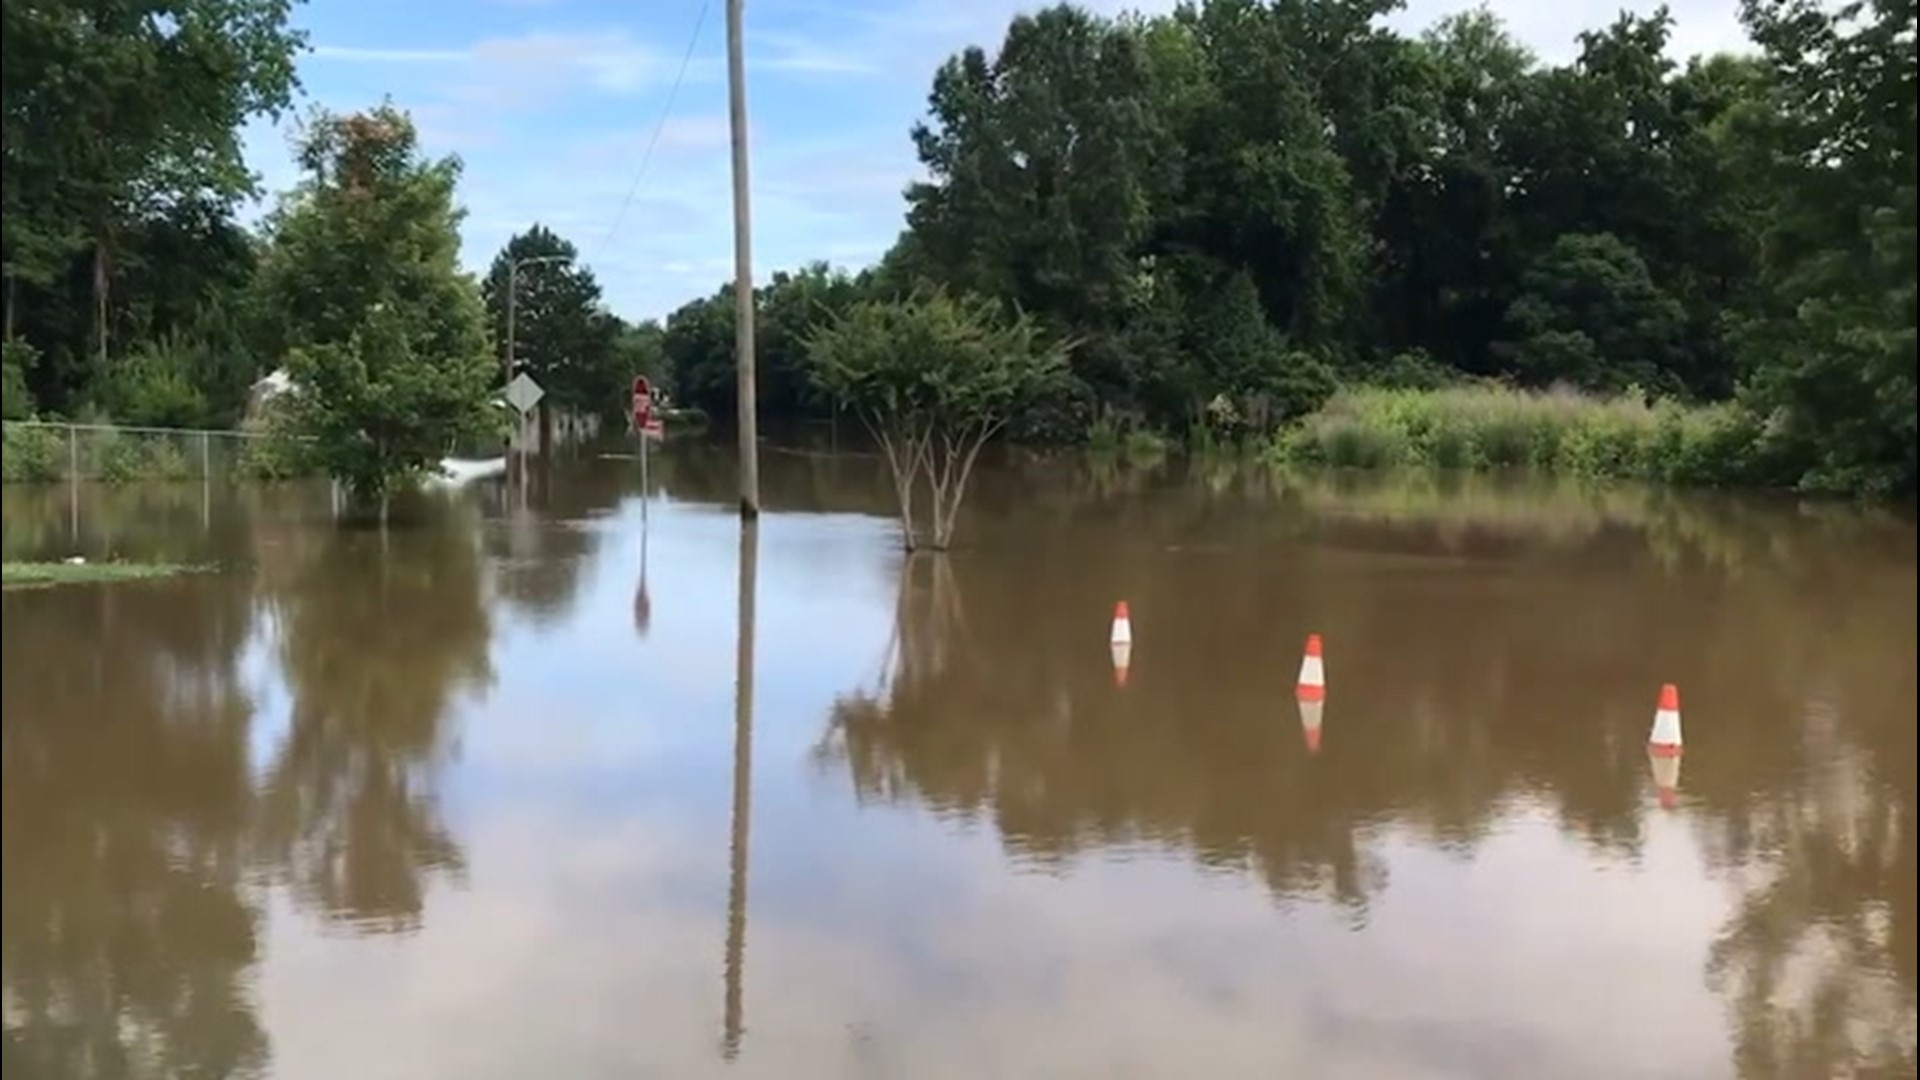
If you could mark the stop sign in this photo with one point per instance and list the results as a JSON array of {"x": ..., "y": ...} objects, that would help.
[{"x": 642, "y": 400}]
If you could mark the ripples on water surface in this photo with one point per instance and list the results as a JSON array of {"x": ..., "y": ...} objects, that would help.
[{"x": 485, "y": 797}]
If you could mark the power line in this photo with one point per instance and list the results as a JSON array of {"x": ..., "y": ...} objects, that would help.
[{"x": 666, "y": 112}]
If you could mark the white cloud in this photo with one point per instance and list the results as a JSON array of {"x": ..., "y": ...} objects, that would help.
[
  {"x": 801, "y": 54},
  {"x": 359, "y": 54}
]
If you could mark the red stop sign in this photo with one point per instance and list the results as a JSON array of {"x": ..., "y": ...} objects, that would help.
[{"x": 642, "y": 400}]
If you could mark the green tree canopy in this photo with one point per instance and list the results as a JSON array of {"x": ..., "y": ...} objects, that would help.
[
  {"x": 122, "y": 139},
  {"x": 562, "y": 332},
  {"x": 933, "y": 376},
  {"x": 385, "y": 336}
]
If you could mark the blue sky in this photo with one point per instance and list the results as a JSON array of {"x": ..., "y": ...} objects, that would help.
[{"x": 551, "y": 103}]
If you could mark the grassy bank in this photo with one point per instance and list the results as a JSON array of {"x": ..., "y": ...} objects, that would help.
[
  {"x": 17, "y": 575},
  {"x": 1564, "y": 433}
]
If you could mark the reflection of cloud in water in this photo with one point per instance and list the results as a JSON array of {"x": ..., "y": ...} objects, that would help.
[{"x": 602, "y": 948}]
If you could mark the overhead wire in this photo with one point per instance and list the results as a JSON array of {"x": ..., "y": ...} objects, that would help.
[{"x": 659, "y": 127}]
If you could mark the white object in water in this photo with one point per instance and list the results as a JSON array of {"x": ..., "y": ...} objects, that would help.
[{"x": 457, "y": 471}]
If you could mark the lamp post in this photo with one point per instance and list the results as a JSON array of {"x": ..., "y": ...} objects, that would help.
[
  {"x": 513, "y": 300},
  {"x": 513, "y": 294}
]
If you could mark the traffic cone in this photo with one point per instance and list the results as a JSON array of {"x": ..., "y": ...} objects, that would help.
[
  {"x": 1666, "y": 779},
  {"x": 1122, "y": 625},
  {"x": 1310, "y": 710},
  {"x": 1313, "y": 675},
  {"x": 1122, "y": 655},
  {"x": 1665, "y": 739}
]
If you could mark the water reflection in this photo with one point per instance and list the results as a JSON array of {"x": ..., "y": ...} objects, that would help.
[
  {"x": 379, "y": 631},
  {"x": 545, "y": 535},
  {"x": 1003, "y": 863},
  {"x": 742, "y": 811},
  {"x": 1465, "y": 694},
  {"x": 127, "y": 933},
  {"x": 642, "y": 599}
]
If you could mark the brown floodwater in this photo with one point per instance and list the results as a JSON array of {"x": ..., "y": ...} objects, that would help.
[{"x": 525, "y": 786}]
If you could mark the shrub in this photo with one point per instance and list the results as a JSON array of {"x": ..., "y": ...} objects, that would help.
[
  {"x": 33, "y": 454},
  {"x": 1560, "y": 431}
]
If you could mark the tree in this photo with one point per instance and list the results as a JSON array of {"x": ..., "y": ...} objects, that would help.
[
  {"x": 1589, "y": 315},
  {"x": 639, "y": 349},
  {"x": 386, "y": 337},
  {"x": 1834, "y": 353},
  {"x": 562, "y": 333},
  {"x": 123, "y": 118},
  {"x": 933, "y": 377}
]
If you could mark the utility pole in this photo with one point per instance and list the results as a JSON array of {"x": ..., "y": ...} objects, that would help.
[{"x": 747, "y": 388}]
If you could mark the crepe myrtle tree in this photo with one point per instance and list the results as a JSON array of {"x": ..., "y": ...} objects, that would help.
[{"x": 933, "y": 376}]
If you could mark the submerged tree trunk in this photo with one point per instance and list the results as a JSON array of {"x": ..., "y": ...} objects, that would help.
[{"x": 945, "y": 461}]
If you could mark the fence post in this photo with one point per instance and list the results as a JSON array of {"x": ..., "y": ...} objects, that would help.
[
  {"x": 206, "y": 455},
  {"x": 73, "y": 484}
]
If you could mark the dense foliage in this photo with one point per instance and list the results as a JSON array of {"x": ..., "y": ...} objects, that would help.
[
  {"x": 1236, "y": 208},
  {"x": 360, "y": 287},
  {"x": 1231, "y": 212},
  {"x": 132, "y": 292},
  {"x": 582, "y": 355},
  {"x": 933, "y": 377}
]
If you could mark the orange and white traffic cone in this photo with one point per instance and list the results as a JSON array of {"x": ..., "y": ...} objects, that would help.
[
  {"x": 1666, "y": 779},
  {"x": 1310, "y": 713},
  {"x": 1665, "y": 739},
  {"x": 1122, "y": 641},
  {"x": 1313, "y": 676}
]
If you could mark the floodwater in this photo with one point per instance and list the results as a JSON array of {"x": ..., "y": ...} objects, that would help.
[{"x": 526, "y": 787}]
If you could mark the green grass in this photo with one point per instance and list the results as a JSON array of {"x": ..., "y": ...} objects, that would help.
[
  {"x": 15, "y": 575},
  {"x": 1560, "y": 432}
]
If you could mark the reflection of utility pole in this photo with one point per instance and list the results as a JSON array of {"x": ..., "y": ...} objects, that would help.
[
  {"x": 746, "y": 388},
  {"x": 742, "y": 792}
]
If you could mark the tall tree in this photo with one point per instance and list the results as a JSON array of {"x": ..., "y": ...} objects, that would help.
[
  {"x": 698, "y": 342},
  {"x": 119, "y": 114},
  {"x": 562, "y": 334},
  {"x": 386, "y": 336},
  {"x": 1834, "y": 355}
]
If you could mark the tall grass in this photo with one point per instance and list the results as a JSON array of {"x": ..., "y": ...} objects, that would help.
[{"x": 1562, "y": 432}]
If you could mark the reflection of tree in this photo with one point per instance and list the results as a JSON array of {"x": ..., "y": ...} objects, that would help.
[
  {"x": 378, "y": 631},
  {"x": 126, "y": 932},
  {"x": 546, "y": 540},
  {"x": 1505, "y": 652},
  {"x": 1818, "y": 960}
]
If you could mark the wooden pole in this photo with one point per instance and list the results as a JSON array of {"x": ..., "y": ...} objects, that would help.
[{"x": 747, "y": 389}]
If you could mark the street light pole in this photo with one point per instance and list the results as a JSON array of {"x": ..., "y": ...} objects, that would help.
[
  {"x": 746, "y": 389},
  {"x": 513, "y": 300}
]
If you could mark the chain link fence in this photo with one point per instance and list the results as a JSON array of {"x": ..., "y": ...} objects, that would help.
[{"x": 45, "y": 451}]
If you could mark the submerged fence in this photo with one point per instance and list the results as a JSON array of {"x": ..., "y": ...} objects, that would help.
[{"x": 45, "y": 451}]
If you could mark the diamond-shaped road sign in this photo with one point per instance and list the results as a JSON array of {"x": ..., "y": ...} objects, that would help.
[{"x": 523, "y": 393}]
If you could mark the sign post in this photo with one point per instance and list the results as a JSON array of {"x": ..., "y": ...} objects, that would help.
[
  {"x": 643, "y": 422},
  {"x": 523, "y": 394}
]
